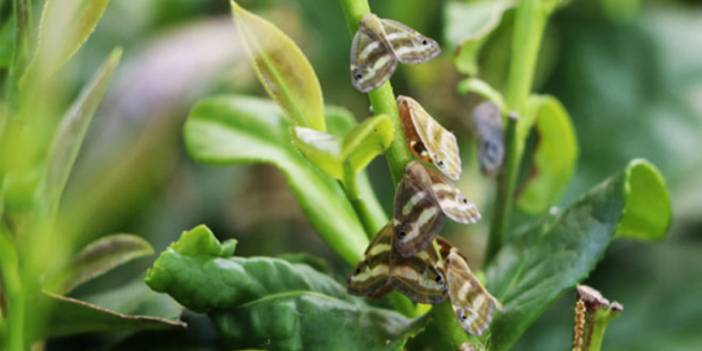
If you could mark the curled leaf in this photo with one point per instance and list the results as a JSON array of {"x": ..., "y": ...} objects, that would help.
[
  {"x": 282, "y": 69},
  {"x": 482, "y": 88},
  {"x": 366, "y": 141}
]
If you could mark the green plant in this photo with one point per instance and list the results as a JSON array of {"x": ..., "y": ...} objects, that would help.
[{"x": 268, "y": 302}]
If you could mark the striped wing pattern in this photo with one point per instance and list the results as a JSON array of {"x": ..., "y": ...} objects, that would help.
[
  {"x": 429, "y": 140},
  {"x": 473, "y": 305},
  {"x": 488, "y": 126},
  {"x": 382, "y": 269},
  {"x": 378, "y": 46},
  {"x": 418, "y": 216},
  {"x": 451, "y": 201}
]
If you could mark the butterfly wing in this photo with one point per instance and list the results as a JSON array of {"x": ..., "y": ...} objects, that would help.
[
  {"x": 372, "y": 275},
  {"x": 372, "y": 62},
  {"x": 419, "y": 278},
  {"x": 488, "y": 125},
  {"x": 473, "y": 305},
  {"x": 451, "y": 201},
  {"x": 417, "y": 213},
  {"x": 437, "y": 143},
  {"x": 409, "y": 45}
]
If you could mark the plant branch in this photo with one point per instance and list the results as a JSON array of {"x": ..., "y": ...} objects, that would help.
[
  {"x": 529, "y": 26},
  {"x": 371, "y": 222},
  {"x": 382, "y": 99}
]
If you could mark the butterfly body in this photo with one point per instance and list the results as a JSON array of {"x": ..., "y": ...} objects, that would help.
[
  {"x": 429, "y": 140},
  {"x": 382, "y": 269},
  {"x": 379, "y": 45}
]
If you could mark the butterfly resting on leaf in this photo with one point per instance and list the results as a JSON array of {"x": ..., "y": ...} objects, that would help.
[{"x": 378, "y": 46}]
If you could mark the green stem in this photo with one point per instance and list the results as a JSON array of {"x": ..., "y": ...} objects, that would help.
[
  {"x": 9, "y": 263},
  {"x": 529, "y": 26},
  {"x": 368, "y": 218},
  {"x": 382, "y": 99}
]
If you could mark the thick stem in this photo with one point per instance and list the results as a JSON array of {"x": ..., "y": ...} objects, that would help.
[
  {"x": 382, "y": 99},
  {"x": 528, "y": 29},
  {"x": 371, "y": 222}
]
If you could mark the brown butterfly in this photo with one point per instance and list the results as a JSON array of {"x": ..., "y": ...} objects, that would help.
[
  {"x": 473, "y": 305},
  {"x": 379, "y": 45},
  {"x": 382, "y": 269},
  {"x": 491, "y": 144},
  {"x": 427, "y": 139},
  {"x": 422, "y": 200}
]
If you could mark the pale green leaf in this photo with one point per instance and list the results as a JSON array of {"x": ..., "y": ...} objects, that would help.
[
  {"x": 555, "y": 155},
  {"x": 482, "y": 88},
  {"x": 365, "y": 142},
  {"x": 282, "y": 68},
  {"x": 322, "y": 149}
]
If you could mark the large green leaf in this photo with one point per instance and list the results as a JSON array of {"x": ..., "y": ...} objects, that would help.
[
  {"x": 467, "y": 26},
  {"x": 270, "y": 303},
  {"x": 69, "y": 137},
  {"x": 537, "y": 266},
  {"x": 235, "y": 129},
  {"x": 554, "y": 158},
  {"x": 64, "y": 27},
  {"x": 101, "y": 256},
  {"x": 132, "y": 307},
  {"x": 282, "y": 68}
]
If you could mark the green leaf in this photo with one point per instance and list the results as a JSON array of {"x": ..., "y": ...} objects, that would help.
[
  {"x": 101, "y": 256},
  {"x": 365, "y": 142},
  {"x": 228, "y": 130},
  {"x": 648, "y": 213},
  {"x": 554, "y": 158},
  {"x": 482, "y": 88},
  {"x": 468, "y": 24},
  {"x": 64, "y": 27},
  {"x": 272, "y": 303},
  {"x": 322, "y": 149},
  {"x": 532, "y": 270},
  {"x": 130, "y": 308},
  {"x": 69, "y": 137},
  {"x": 282, "y": 69}
]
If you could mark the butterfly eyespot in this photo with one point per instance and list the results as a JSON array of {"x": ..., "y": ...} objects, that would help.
[
  {"x": 357, "y": 271},
  {"x": 464, "y": 201},
  {"x": 401, "y": 233},
  {"x": 438, "y": 279},
  {"x": 357, "y": 76},
  {"x": 425, "y": 42},
  {"x": 440, "y": 163}
]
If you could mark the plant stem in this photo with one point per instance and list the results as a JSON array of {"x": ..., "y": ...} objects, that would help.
[
  {"x": 382, "y": 99},
  {"x": 13, "y": 287},
  {"x": 529, "y": 26},
  {"x": 371, "y": 220}
]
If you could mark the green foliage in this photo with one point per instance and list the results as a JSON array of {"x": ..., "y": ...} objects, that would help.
[
  {"x": 269, "y": 302},
  {"x": 282, "y": 69},
  {"x": 227, "y": 130},
  {"x": 556, "y": 152},
  {"x": 538, "y": 265}
]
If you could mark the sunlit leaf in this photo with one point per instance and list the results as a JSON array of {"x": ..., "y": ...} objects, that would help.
[
  {"x": 468, "y": 24},
  {"x": 538, "y": 265},
  {"x": 133, "y": 307},
  {"x": 365, "y": 142},
  {"x": 282, "y": 68},
  {"x": 69, "y": 136},
  {"x": 103, "y": 255},
  {"x": 270, "y": 303},
  {"x": 322, "y": 149},
  {"x": 482, "y": 88},
  {"x": 229, "y": 130},
  {"x": 64, "y": 27},
  {"x": 555, "y": 155}
]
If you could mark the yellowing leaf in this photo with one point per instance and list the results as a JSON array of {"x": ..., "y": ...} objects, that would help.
[{"x": 282, "y": 68}]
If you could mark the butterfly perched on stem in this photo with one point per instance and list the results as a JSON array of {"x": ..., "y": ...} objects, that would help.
[
  {"x": 491, "y": 145},
  {"x": 473, "y": 305},
  {"x": 382, "y": 269},
  {"x": 427, "y": 139},
  {"x": 379, "y": 45},
  {"x": 423, "y": 198}
]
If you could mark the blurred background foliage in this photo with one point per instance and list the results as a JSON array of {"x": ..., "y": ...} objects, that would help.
[{"x": 628, "y": 71}]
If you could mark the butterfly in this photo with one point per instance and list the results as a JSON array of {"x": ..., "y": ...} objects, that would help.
[
  {"x": 488, "y": 125},
  {"x": 427, "y": 139},
  {"x": 378, "y": 46},
  {"x": 473, "y": 305},
  {"x": 423, "y": 198},
  {"x": 382, "y": 269}
]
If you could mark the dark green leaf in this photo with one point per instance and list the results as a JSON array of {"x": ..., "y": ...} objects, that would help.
[
  {"x": 532, "y": 270},
  {"x": 554, "y": 158},
  {"x": 282, "y": 68},
  {"x": 103, "y": 255},
  {"x": 227, "y": 130},
  {"x": 131, "y": 308},
  {"x": 69, "y": 137},
  {"x": 272, "y": 303}
]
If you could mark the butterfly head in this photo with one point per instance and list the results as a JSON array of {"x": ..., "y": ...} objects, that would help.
[{"x": 371, "y": 25}]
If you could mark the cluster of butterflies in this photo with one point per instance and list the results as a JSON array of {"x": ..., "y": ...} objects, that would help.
[{"x": 407, "y": 254}]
